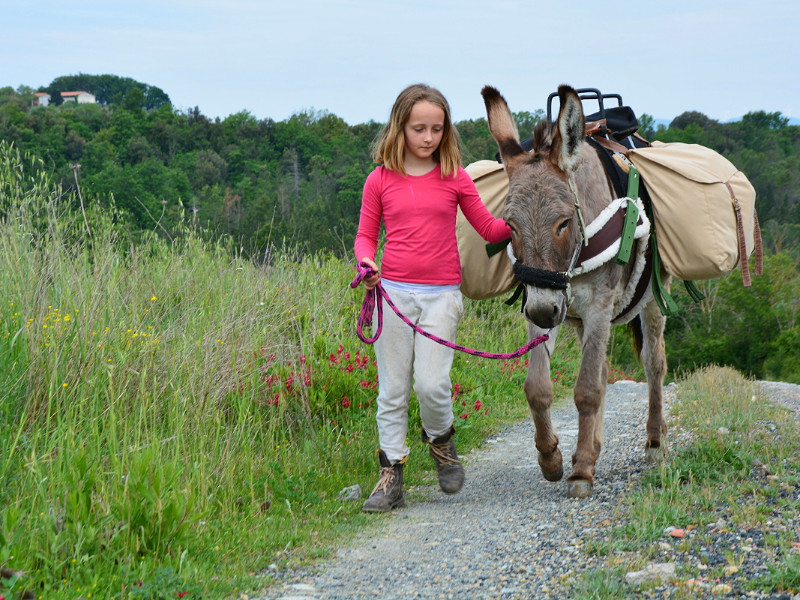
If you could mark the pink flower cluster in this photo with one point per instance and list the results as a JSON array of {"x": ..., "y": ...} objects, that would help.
[{"x": 334, "y": 372}]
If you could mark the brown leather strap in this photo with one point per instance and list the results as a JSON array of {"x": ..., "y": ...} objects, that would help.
[
  {"x": 593, "y": 127},
  {"x": 743, "y": 258},
  {"x": 757, "y": 242},
  {"x": 611, "y": 145}
]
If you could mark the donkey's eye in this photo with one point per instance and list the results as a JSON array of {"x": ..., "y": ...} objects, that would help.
[{"x": 562, "y": 226}]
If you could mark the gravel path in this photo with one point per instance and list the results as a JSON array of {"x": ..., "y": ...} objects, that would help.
[{"x": 509, "y": 534}]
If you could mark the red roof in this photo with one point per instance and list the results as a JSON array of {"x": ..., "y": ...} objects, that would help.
[{"x": 68, "y": 94}]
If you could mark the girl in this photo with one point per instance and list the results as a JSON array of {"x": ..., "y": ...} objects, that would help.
[{"x": 415, "y": 193}]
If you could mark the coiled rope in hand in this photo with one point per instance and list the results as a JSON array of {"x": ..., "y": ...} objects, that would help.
[{"x": 378, "y": 293}]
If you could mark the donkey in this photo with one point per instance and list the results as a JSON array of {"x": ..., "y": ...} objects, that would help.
[{"x": 553, "y": 190}]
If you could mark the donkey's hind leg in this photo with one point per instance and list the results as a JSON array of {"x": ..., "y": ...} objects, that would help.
[
  {"x": 539, "y": 393},
  {"x": 654, "y": 360}
]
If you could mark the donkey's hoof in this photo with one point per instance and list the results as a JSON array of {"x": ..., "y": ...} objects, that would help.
[
  {"x": 579, "y": 488},
  {"x": 654, "y": 455},
  {"x": 555, "y": 475}
]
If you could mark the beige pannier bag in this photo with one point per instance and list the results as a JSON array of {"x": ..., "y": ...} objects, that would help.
[
  {"x": 481, "y": 276},
  {"x": 703, "y": 209}
]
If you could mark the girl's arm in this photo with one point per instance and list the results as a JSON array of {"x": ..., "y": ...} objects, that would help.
[{"x": 369, "y": 224}]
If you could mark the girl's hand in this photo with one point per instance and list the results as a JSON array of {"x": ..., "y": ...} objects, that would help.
[{"x": 371, "y": 282}]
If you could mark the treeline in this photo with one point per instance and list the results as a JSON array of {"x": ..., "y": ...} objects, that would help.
[{"x": 299, "y": 180}]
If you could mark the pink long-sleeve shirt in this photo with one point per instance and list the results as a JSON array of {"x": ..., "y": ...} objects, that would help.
[{"x": 419, "y": 214}]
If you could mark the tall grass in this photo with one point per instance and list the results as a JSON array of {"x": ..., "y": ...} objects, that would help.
[{"x": 175, "y": 418}]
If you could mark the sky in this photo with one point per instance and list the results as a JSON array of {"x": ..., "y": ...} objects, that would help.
[{"x": 351, "y": 58}]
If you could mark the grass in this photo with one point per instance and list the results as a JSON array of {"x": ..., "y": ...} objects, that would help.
[
  {"x": 174, "y": 418},
  {"x": 741, "y": 462}
]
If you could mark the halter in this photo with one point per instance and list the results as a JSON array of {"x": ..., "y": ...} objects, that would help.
[{"x": 577, "y": 203}]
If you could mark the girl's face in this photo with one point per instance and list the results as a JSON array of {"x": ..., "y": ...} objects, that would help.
[{"x": 423, "y": 131}]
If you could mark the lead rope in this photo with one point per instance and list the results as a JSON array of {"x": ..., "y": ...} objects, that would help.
[{"x": 375, "y": 295}]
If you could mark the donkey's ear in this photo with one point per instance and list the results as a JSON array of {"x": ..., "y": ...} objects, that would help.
[
  {"x": 571, "y": 129},
  {"x": 503, "y": 127}
]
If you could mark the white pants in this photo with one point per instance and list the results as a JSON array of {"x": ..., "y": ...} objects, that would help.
[{"x": 404, "y": 356}]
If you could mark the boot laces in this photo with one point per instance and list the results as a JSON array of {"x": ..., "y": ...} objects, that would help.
[
  {"x": 385, "y": 479},
  {"x": 442, "y": 454}
]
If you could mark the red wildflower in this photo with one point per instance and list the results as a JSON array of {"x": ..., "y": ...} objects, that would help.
[
  {"x": 346, "y": 402},
  {"x": 456, "y": 392},
  {"x": 181, "y": 594},
  {"x": 465, "y": 416},
  {"x": 478, "y": 404}
]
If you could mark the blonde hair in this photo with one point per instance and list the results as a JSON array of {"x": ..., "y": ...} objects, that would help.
[{"x": 389, "y": 146}]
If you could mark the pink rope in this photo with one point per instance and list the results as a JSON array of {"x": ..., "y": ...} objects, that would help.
[{"x": 376, "y": 294}]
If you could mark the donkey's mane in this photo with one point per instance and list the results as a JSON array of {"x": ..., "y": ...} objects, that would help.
[{"x": 543, "y": 135}]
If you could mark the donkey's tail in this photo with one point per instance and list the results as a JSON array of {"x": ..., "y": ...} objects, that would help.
[{"x": 635, "y": 327}]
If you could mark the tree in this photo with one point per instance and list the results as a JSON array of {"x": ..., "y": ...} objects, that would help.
[
  {"x": 526, "y": 121},
  {"x": 647, "y": 126},
  {"x": 692, "y": 117},
  {"x": 765, "y": 120},
  {"x": 108, "y": 89}
]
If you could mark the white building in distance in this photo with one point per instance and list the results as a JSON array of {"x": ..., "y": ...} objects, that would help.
[
  {"x": 42, "y": 99},
  {"x": 79, "y": 97}
]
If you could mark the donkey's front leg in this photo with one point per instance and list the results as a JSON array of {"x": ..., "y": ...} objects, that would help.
[
  {"x": 539, "y": 392},
  {"x": 590, "y": 390}
]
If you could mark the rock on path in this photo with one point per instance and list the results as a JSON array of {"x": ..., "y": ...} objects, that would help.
[{"x": 509, "y": 534}]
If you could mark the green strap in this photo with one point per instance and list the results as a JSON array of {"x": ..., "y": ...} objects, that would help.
[
  {"x": 693, "y": 291},
  {"x": 492, "y": 249},
  {"x": 628, "y": 231},
  {"x": 663, "y": 299},
  {"x": 631, "y": 219},
  {"x": 633, "y": 183}
]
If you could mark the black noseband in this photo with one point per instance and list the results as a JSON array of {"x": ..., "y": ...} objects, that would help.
[{"x": 539, "y": 277}]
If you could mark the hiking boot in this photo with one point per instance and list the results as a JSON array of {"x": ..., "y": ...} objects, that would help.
[
  {"x": 388, "y": 492},
  {"x": 448, "y": 467}
]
